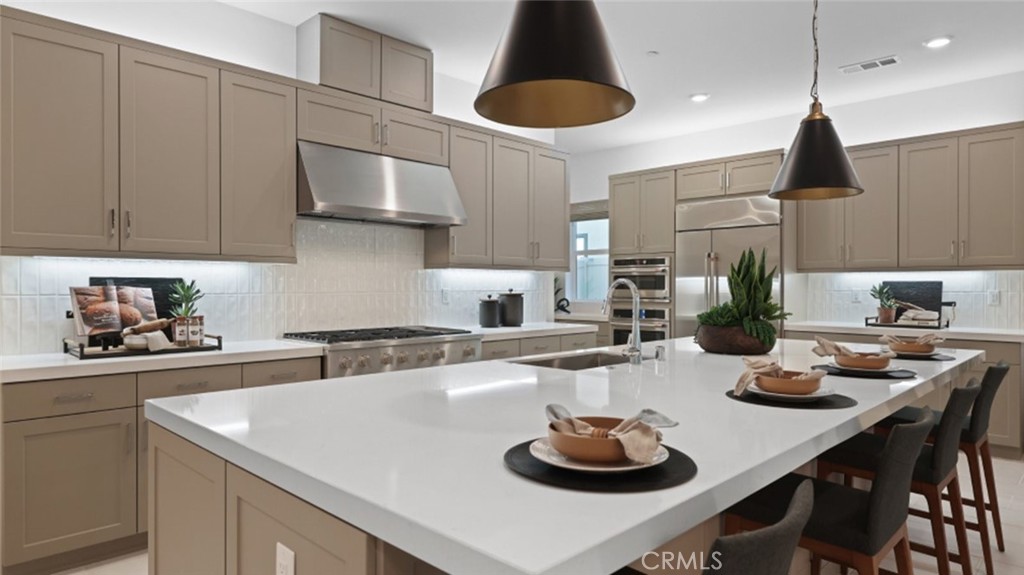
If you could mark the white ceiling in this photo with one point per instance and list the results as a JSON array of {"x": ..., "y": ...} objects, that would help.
[{"x": 754, "y": 58}]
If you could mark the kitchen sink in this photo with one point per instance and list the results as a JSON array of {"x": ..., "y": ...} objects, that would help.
[{"x": 578, "y": 361}]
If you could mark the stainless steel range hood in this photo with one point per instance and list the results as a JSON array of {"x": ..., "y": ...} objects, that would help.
[{"x": 351, "y": 185}]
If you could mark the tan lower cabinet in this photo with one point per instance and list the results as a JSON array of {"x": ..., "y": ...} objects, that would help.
[
  {"x": 261, "y": 516},
  {"x": 69, "y": 482},
  {"x": 187, "y": 526},
  {"x": 414, "y": 138},
  {"x": 539, "y": 345},
  {"x": 393, "y": 561},
  {"x": 504, "y": 349},
  {"x": 281, "y": 371},
  {"x": 578, "y": 341}
]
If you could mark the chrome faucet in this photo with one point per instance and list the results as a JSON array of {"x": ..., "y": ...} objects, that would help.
[{"x": 633, "y": 343}]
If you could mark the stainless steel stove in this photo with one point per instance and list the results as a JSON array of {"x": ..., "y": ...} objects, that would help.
[{"x": 374, "y": 350}]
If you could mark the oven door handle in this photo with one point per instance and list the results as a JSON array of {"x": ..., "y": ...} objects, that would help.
[
  {"x": 643, "y": 324},
  {"x": 640, "y": 271}
]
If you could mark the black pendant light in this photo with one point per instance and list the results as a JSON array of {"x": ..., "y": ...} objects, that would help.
[
  {"x": 816, "y": 167},
  {"x": 554, "y": 68}
]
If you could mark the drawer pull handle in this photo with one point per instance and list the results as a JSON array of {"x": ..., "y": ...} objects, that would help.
[
  {"x": 193, "y": 385},
  {"x": 500, "y": 352},
  {"x": 285, "y": 375},
  {"x": 540, "y": 347},
  {"x": 128, "y": 439},
  {"x": 74, "y": 397}
]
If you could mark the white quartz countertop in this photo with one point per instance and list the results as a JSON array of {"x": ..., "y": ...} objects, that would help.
[
  {"x": 966, "y": 333},
  {"x": 538, "y": 329},
  {"x": 22, "y": 368},
  {"x": 415, "y": 457}
]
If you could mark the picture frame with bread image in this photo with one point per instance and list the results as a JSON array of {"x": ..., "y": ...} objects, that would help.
[{"x": 110, "y": 309}]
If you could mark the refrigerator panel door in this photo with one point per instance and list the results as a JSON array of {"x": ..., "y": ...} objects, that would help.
[{"x": 692, "y": 279}]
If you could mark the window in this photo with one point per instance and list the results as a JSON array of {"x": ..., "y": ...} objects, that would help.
[{"x": 588, "y": 275}]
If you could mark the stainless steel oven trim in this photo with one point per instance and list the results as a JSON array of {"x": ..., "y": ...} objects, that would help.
[{"x": 655, "y": 324}]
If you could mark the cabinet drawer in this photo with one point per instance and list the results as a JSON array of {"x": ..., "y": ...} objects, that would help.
[
  {"x": 538, "y": 345},
  {"x": 500, "y": 349},
  {"x": 66, "y": 396},
  {"x": 578, "y": 341},
  {"x": 285, "y": 371},
  {"x": 994, "y": 350},
  {"x": 185, "y": 381}
]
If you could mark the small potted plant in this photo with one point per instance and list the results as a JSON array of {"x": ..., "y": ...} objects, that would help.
[
  {"x": 886, "y": 303},
  {"x": 188, "y": 326},
  {"x": 743, "y": 326}
]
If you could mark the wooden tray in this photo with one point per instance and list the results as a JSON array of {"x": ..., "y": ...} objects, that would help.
[{"x": 82, "y": 351}]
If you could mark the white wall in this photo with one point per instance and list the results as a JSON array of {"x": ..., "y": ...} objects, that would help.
[
  {"x": 978, "y": 103},
  {"x": 204, "y": 27}
]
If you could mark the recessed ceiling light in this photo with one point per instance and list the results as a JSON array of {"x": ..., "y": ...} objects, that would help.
[
  {"x": 653, "y": 53},
  {"x": 699, "y": 97},
  {"x": 939, "y": 42}
]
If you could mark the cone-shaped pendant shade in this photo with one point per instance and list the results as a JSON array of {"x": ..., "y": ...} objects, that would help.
[
  {"x": 816, "y": 167},
  {"x": 554, "y": 68}
]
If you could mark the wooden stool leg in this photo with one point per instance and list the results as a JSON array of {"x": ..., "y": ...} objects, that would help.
[
  {"x": 815, "y": 564},
  {"x": 904, "y": 562},
  {"x": 936, "y": 513},
  {"x": 973, "y": 464},
  {"x": 844, "y": 570},
  {"x": 993, "y": 499},
  {"x": 866, "y": 565},
  {"x": 957, "y": 506}
]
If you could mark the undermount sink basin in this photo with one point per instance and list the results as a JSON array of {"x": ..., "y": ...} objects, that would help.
[{"x": 578, "y": 361}]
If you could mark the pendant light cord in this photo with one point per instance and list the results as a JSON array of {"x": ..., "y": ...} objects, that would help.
[{"x": 814, "y": 34}]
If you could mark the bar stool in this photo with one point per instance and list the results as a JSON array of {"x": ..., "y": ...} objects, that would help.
[
  {"x": 767, "y": 551},
  {"x": 934, "y": 471},
  {"x": 850, "y": 526},
  {"x": 974, "y": 443}
]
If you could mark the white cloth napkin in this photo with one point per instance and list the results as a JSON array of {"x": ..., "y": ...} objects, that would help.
[
  {"x": 156, "y": 340},
  {"x": 919, "y": 315},
  {"x": 926, "y": 339},
  {"x": 827, "y": 347},
  {"x": 639, "y": 440},
  {"x": 765, "y": 365}
]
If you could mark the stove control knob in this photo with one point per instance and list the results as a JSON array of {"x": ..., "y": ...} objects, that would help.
[
  {"x": 345, "y": 363},
  {"x": 364, "y": 361},
  {"x": 423, "y": 355},
  {"x": 439, "y": 353},
  {"x": 469, "y": 351},
  {"x": 403, "y": 357},
  {"x": 386, "y": 358}
]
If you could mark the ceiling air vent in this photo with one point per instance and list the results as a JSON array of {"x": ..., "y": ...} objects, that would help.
[{"x": 870, "y": 65}]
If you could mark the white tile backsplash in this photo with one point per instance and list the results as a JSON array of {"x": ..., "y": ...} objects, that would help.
[
  {"x": 830, "y": 296},
  {"x": 348, "y": 275}
]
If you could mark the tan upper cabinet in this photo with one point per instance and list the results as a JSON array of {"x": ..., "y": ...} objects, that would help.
[
  {"x": 928, "y": 221},
  {"x": 513, "y": 179},
  {"x": 257, "y": 167},
  {"x": 340, "y": 55},
  {"x": 170, "y": 154},
  {"x": 338, "y": 122},
  {"x": 550, "y": 209},
  {"x": 69, "y": 482},
  {"x": 59, "y": 124},
  {"x": 657, "y": 212},
  {"x": 700, "y": 181},
  {"x": 624, "y": 214},
  {"x": 414, "y": 138},
  {"x": 872, "y": 218},
  {"x": 819, "y": 235},
  {"x": 407, "y": 74},
  {"x": 991, "y": 199},
  {"x": 752, "y": 175},
  {"x": 471, "y": 163}
]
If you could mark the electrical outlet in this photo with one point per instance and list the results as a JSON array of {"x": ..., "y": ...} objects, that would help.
[
  {"x": 285, "y": 561},
  {"x": 446, "y": 296},
  {"x": 993, "y": 297},
  {"x": 855, "y": 298}
]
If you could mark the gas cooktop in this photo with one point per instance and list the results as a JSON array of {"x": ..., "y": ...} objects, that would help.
[{"x": 373, "y": 334}]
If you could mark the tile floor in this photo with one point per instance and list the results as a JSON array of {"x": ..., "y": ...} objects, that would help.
[{"x": 1009, "y": 486}]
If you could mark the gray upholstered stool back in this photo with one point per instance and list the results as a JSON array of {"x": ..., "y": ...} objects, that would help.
[
  {"x": 769, "y": 550},
  {"x": 890, "y": 491},
  {"x": 983, "y": 405},
  {"x": 946, "y": 448}
]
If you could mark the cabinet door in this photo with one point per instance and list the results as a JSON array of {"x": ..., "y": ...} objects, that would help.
[
  {"x": 550, "y": 207},
  {"x": 69, "y": 482},
  {"x": 338, "y": 122},
  {"x": 624, "y": 215},
  {"x": 540, "y": 345},
  {"x": 257, "y": 167},
  {"x": 513, "y": 178},
  {"x": 170, "y": 154},
  {"x": 414, "y": 138},
  {"x": 752, "y": 175},
  {"x": 503, "y": 349},
  {"x": 872, "y": 218},
  {"x": 280, "y": 371},
  {"x": 658, "y": 212},
  {"x": 700, "y": 181},
  {"x": 1005, "y": 426},
  {"x": 349, "y": 57},
  {"x": 58, "y": 161},
  {"x": 407, "y": 74},
  {"x": 992, "y": 199},
  {"x": 928, "y": 204},
  {"x": 819, "y": 235},
  {"x": 472, "y": 165}
]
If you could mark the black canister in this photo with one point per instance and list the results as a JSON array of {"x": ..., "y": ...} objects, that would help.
[
  {"x": 511, "y": 309},
  {"x": 490, "y": 312}
]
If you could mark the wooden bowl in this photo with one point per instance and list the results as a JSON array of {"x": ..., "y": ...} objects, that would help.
[
  {"x": 862, "y": 361},
  {"x": 911, "y": 347},
  {"x": 589, "y": 449},
  {"x": 786, "y": 384}
]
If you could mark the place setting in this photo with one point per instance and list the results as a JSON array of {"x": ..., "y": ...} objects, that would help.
[
  {"x": 602, "y": 453},
  {"x": 920, "y": 349},
  {"x": 867, "y": 365},
  {"x": 765, "y": 382}
]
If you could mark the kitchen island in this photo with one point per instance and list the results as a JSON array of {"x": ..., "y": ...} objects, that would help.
[{"x": 414, "y": 458}]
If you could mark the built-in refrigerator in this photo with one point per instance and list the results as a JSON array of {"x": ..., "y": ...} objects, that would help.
[{"x": 710, "y": 236}]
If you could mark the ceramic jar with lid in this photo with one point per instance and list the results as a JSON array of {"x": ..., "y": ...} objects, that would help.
[{"x": 511, "y": 308}]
